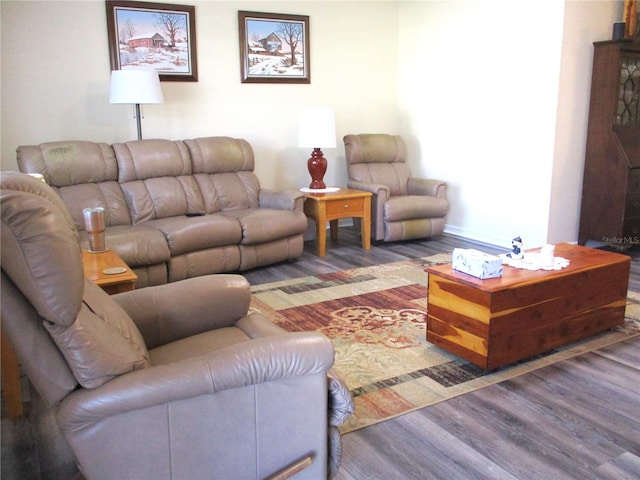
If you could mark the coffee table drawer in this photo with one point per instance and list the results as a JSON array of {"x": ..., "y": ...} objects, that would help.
[{"x": 347, "y": 206}]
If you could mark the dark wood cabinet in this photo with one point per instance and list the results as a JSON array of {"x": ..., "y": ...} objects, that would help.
[{"x": 610, "y": 211}]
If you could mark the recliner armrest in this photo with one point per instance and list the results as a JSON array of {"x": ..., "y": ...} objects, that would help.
[
  {"x": 166, "y": 313},
  {"x": 425, "y": 186},
  {"x": 374, "y": 188},
  {"x": 239, "y": 365},
  {"x": 284, "y": 200}
]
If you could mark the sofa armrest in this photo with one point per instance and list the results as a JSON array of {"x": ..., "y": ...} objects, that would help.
[
  {"x": 424, "y": 186},
  {"x": 247, "y": 363},
  {"x": 166, "y": 313},
  {"x": 284, "y": 200}
]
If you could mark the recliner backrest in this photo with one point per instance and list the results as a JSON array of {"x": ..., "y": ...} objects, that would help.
[
  {"x": 43, "y": 284},
  {"x": 378, "y": 158}
]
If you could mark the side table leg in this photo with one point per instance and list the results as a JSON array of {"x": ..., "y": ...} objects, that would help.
[
  {"x": 321, "y": 231},
  {"x": 333, "y": 228},
  {"x": 11, "y": 378},
  {"x": 365, "y": 225}
]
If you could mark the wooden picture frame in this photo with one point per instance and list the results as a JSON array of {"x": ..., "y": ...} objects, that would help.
[
  {"x": 157, "y": 36},
  {"x": 632, "y": 20},
  {"x": 274, "y": 48}
]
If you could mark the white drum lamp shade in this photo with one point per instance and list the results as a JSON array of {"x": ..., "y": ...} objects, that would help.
[{"x": 317, "y": 128}]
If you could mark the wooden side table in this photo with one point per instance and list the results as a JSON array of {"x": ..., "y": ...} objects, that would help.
[
  {"x": 95, "y": 265},
  {"x": 97, "y": 268},
  {"x": 332, "y": 206},
  {"x": 10, "y": 379}
]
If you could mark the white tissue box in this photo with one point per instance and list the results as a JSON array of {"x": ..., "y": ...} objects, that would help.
[{"x": 476, "y": 263}]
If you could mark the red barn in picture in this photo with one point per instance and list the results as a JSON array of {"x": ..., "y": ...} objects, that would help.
[{"x": 154, "y": 41}]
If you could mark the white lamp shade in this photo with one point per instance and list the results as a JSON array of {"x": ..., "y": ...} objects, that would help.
[
  {"x": 317, "y": 128},
  {"x": 135, "y": 86}
]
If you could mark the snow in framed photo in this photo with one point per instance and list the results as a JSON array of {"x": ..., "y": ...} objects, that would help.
[
  {"x": 274, "y": 48},
  {"x": 158, "y": 36}
]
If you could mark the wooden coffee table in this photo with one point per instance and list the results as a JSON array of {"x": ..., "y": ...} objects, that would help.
[
  {"x": 332, "y": 206},
  {"x": 498, "y": 321},
  {"x": 98, "y": 265}
]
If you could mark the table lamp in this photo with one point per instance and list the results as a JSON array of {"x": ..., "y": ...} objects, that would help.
[
  {"x": 135, "y": 86},
  {"x": 317, "y": 129}
]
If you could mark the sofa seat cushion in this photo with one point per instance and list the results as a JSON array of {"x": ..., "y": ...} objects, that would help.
[
  {"x": 137, "y": 245},
  {"x": 260, "y": 225},
  {"x": 189, "y": 234},
  {"x": 195, "y": 345},
  {"x": 408, "y": 207}
]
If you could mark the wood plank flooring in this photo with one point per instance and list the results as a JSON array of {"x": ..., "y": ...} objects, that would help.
[{"x": 577, "y": 419}]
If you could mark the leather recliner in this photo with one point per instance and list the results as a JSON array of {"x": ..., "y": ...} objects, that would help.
[
  {"x": 176, "y": 381},
  {"x": 402, "y": 207}
]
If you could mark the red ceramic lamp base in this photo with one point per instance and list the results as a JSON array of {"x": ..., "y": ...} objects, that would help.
[{"x": 317, "y": 166}]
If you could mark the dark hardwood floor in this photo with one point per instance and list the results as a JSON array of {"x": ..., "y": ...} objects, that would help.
[{"x": 577, "y": 419}]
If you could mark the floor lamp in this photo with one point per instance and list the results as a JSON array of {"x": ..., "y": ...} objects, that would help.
[{"x": 136, "y": 87}]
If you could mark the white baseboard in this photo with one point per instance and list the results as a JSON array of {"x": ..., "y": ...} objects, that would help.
[{"x": 481, "y": 237}]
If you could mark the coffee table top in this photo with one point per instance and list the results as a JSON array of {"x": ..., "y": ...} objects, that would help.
[{"x": 580, "y": 258}]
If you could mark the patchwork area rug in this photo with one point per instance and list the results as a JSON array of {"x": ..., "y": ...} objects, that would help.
[{"x": 376, "y": 319}]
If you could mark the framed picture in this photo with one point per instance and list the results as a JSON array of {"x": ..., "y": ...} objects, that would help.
[
  {"x": 632, "y": 20},
  {"x": 157, "y": 36},
  {"x": 274, "y": 48}
]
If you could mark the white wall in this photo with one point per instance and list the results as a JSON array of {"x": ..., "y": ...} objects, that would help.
[
  {"x": 493, "y": 98},
  {"x": 584, "y": 22},
  {"x": 491, "y": 95}
]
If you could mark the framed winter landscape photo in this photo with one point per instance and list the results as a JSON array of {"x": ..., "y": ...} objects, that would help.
[
  {"x": 158, "y": 36},
  {"x": 274, "y": 48}
]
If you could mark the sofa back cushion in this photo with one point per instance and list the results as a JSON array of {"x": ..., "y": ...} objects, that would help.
[
  {"x": 156, "y": 178},
  {"x": 223, "y": 167},
  {"x": 84, "y": 174}
]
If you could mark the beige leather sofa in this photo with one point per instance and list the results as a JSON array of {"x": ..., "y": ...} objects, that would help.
[
  {"x": 168, "y": 382},
  {"x": 148, "y": 187}
]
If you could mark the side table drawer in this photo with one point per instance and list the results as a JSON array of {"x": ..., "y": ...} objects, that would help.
[{"x": 345, "y": 207}]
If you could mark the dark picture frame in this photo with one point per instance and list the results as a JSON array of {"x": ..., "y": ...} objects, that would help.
[
  {"x": 274, "y": 48},
  {"x": 157, "y": 36}
]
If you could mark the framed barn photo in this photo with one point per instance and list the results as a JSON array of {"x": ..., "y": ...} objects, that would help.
[
  {"x": 274, "y": 48},
  {"x": 157, "y": 36}
]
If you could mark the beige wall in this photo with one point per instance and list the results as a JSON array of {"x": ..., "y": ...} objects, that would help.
[
  {"x": 493, "y": 104},
  {"x": 55, "y": 82}
]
